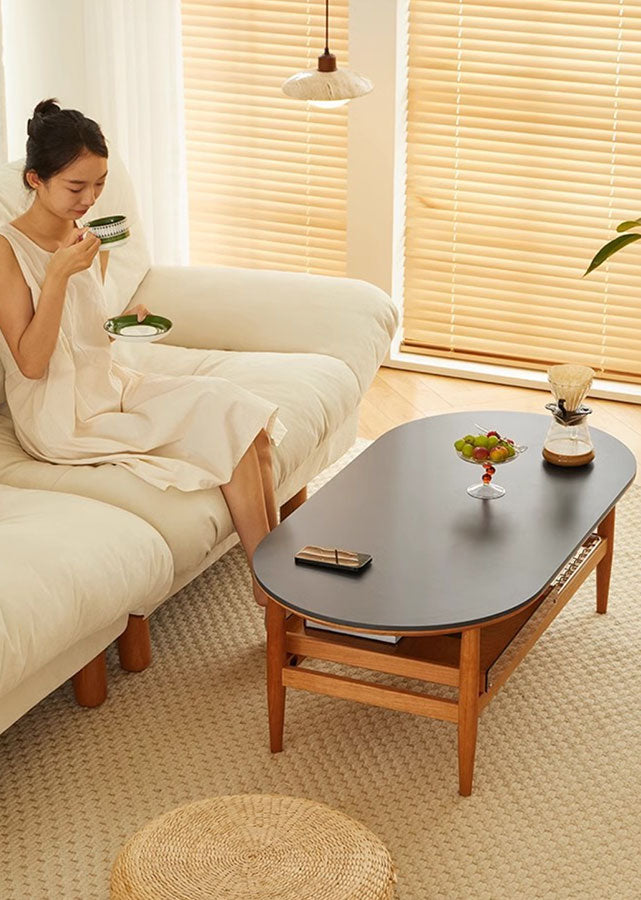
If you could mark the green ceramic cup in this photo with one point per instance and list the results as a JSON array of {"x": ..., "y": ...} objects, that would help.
[{"x": 113, "y": 231}]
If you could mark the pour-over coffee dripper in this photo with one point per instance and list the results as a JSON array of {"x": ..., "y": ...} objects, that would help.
[{"x": 568, "y": 441}]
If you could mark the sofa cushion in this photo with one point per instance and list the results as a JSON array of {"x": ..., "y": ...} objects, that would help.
[
  {"x": 69, "y": 567},
  {"x": 315, "y": 395}
]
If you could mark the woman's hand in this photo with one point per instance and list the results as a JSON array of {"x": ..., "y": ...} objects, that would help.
[
  {"x": 139, "y": 310},
  {"x": 75, "y": 254}
]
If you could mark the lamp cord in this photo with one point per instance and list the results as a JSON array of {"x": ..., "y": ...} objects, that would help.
[{"x": 326, "y": 26}]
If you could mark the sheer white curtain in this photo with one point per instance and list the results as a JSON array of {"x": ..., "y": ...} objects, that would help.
[
  {"x": 134, "y": 89},
  {"x": 3, "y": 110}
]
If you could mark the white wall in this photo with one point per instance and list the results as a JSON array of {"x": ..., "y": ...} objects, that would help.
[
  {"x": 44, "y": 53},
  {"x": 376, "y": 154}
]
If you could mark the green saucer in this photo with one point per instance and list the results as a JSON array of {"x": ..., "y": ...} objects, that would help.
[{"x": 128, "y": 328}]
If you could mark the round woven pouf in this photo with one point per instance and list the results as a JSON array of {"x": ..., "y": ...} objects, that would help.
[{"x": 253, "y": 847}]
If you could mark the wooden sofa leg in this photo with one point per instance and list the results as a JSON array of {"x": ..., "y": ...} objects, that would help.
[
  {"x": 292, "y": 504},
  {"x": 90, "y": 683},
  {"x": 134, "y": 645}
]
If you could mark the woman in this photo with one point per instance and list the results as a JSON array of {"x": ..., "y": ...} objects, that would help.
[{"x": 71, "y": 402}]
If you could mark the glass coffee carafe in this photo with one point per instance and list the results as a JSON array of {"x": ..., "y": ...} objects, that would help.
[{"x": 568, "y": 441}]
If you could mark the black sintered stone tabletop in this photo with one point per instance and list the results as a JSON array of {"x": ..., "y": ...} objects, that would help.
[{"x": 441, "y": 558}]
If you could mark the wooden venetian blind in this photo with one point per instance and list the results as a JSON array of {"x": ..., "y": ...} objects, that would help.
[
  {"x": 266, "y": 175},
  {"x": 524, "y": 153}
]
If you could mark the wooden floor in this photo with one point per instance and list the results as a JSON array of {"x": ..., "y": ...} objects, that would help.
[{"x": 397, "y": 396}]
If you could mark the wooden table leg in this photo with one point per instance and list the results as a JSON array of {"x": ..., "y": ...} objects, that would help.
[
  {"x": 468, "y": 707},
  {"x": 276, "y": 660},
  {"x": 604, "y": 568}
]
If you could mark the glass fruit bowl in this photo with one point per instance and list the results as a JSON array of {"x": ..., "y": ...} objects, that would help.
[{"x": 488, "y": 449}]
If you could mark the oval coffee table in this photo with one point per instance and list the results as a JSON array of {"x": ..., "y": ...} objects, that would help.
[{"x": 470, "y": 584}]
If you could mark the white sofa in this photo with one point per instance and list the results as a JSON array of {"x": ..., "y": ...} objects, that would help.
[
  {"x": 311, "y": 344},
  {"x": 70, "y": 570}
]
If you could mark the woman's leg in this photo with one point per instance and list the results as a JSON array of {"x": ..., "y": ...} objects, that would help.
[
  {"x": 264, "y": 450},
  {"x": 245, "y": 497}
]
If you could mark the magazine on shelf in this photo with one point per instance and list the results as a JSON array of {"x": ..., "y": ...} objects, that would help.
[{"x": 387, "y": 638}]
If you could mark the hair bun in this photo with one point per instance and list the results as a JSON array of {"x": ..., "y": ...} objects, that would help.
[{"x": 43, "y": 110}]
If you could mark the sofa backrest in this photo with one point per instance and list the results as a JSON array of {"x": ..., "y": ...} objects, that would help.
[{"x": 127, "y": 265}]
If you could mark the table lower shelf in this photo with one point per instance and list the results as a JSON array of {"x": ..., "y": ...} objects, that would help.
[{"x": 436, "y": 658}]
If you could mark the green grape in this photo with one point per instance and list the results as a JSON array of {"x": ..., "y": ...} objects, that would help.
[
  {"x": 481, "y": 440},
  {"x": 467, "y": 450},
  {"x": 492, "y": 441},
  {"x": 459, "y": 444},
  {"x": 469, "y": 439}
]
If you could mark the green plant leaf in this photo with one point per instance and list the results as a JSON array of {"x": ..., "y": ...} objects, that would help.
[
  {"x": 625, "y": 226},
  {"x": 610, "y": 248}
]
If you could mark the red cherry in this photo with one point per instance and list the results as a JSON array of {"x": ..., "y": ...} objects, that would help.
[
  {"x": 510, "y": 441},
  {"x": 495, "y": 433}
]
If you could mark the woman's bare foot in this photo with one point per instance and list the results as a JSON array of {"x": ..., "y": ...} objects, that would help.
[{"x": 259, "y": 594}]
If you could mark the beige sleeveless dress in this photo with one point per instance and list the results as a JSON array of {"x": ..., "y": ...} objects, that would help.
[{"x": 185, "y": 431}]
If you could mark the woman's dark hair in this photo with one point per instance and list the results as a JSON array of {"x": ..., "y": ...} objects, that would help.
[{"x": 57, "y": 137}]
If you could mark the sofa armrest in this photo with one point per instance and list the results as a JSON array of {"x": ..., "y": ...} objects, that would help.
[{"x": 272, "y": 311}]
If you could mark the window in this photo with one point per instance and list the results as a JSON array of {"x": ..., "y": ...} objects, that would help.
[
  {"x": 523, "y": 155},
  {"x": 266, "y": 175}
]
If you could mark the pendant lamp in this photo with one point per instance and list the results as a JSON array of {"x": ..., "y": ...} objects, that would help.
[{"x": 327, "y": 86}]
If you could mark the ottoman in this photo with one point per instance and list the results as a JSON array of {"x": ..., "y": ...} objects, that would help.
[{"x": 253, "y": 847}]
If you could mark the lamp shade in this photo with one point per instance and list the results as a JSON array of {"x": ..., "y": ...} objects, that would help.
[{"x": 314, "y": 85}]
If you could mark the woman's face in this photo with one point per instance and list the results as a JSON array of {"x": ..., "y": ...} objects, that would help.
[{"x": 72, "y": 192}]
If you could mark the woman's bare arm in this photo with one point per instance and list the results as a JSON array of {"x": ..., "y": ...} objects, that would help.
[
  {"x": 17, "y": 315},
  {"x": 32, "y": 336}
]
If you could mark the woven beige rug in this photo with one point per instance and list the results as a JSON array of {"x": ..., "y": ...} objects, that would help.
[{"x": 556, "y": 808}]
